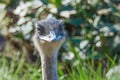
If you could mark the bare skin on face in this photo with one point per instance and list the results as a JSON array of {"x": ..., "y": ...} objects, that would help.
[{"x": 48, "y": 38}]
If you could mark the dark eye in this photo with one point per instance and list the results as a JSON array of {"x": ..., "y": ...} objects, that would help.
[
  {"x": 60, "y": 28},
  {"x": 40, "y": 30}
]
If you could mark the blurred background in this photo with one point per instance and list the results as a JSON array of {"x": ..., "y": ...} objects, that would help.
[{"x": 92, "y": 46}]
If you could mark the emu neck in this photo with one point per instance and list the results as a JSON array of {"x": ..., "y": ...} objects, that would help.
[
  {"x": 48, "y": 52},
  {"x": 49, "y": 67}
]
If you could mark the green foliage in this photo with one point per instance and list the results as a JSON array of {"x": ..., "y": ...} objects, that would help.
[
  {"x": 96, "y": 22},
  {"x": 14, "y": 69}
]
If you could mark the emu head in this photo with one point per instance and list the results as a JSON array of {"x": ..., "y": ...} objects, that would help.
[
  {"x": 50, "y": 30},
  {"x": 50, "y": 33}
]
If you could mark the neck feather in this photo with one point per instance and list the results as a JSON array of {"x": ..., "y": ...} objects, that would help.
[
  {"x": 49, "y": 67},
  {"x": 48, "y": 52}
]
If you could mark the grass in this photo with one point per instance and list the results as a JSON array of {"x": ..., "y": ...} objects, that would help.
[
  {"x": 13, "y": 69},
  {"x": 18, "y": 70}
]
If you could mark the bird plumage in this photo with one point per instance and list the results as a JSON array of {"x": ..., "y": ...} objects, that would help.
[{"x": 48, "y": 38}]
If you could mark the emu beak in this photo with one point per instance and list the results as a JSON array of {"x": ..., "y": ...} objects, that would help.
[{"x": 51, "y": 37}]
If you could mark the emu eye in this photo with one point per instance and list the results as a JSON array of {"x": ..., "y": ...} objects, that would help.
[
  {"x": 60, "y": 28},
  {"x": 40, "y": 30}
]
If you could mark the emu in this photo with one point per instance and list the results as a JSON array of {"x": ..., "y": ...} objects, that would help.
[{"x": 48, "y": 39}]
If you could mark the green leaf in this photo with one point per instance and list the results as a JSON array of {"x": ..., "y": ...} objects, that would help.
[
  {"x": 45, "y": 2},
  {"x": 57, "y": 3},
  {"x": 68, "y": 7},
  {"x": 76, "y": 21},
  {"x": 114, "y": 9}
]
